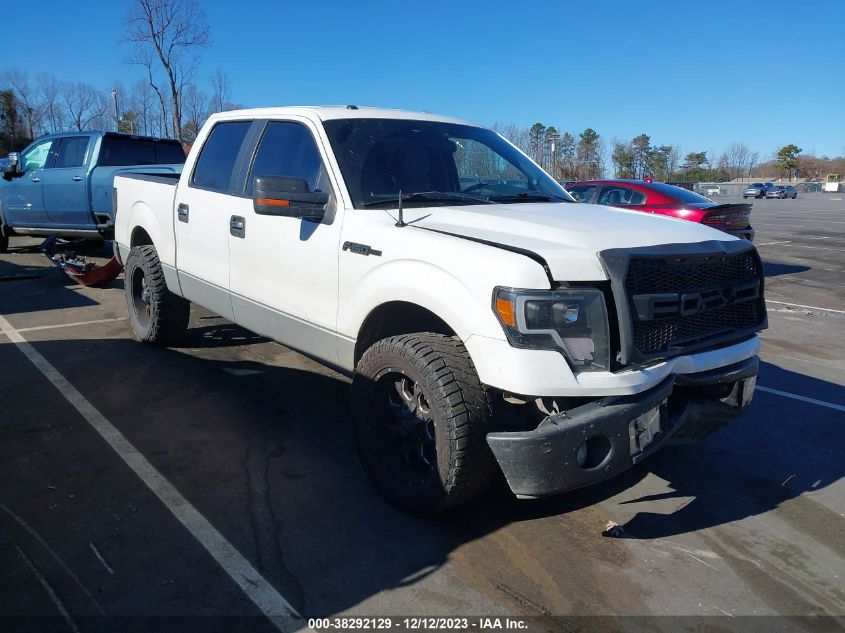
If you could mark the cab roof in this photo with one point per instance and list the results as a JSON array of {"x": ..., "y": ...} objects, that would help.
[{"x": 331, "y": 112}]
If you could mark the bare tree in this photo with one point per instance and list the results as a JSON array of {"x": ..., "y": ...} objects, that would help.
[
  {"x": 736, "y": 160},
  {"x": 516, "y": 135},
  {"x": 753, "y": 159},
  {"x": 673, "y": 160},
  {"x": 18, "y": 82},
  {"x": 221, "y": 91},
  {"x": 145, "y": 58},
  {"x": 196, "y": 110},
  {"x": 142, "y": 102},
  {"x": 49, "y": 91},
  {"x": 172, "y": 31},
  {"x": 83, "y": 104}
]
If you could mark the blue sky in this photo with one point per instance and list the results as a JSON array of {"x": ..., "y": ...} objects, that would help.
[{"x": 697, "y": 74}]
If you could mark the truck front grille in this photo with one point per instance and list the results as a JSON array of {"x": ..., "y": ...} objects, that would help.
[
  {"x": 684, "y": 301},
  {"x": 675, "y": 298}
]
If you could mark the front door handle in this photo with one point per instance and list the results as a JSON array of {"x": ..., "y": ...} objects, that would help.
[
  {"x": 182, "y": 212},
  {"x": 77, "y": 178},
  {"x": 35, "y": 179},
  {"x": 237, "y": 226}
]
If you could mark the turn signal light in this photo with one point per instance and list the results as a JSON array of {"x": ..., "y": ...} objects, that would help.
[
  {"x": 506, "y": 311},
  {"x": 272, "y": 202}
]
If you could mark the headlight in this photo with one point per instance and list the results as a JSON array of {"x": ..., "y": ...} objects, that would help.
[{"x": 571, "y": 320}]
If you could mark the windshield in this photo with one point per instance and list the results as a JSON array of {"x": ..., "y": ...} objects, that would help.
[{"x": 434, "y": 163}]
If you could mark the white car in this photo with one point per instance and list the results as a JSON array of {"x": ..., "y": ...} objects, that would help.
[
  {"x": 488, "y": 321},
  {"x": 712, "y": 190}
]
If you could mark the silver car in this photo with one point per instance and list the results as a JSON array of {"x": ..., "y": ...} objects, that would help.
[
  {"x": 782, "y": 191},
  {"x": 758, "y": 190}
]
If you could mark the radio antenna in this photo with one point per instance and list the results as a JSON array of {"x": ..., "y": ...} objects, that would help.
[{"x": 401, "y": 221}]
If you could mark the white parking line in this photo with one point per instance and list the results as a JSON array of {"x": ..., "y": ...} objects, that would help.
[
  {"x": 813, "y": 246},
  {"x": 75, "y": 324},
  {"x": 772, "y": 243},
  {"x": 795, "y": 396},
  {"x": 801, "y": 305},
  {"x": 239, "y": 569},
  {"x": 822, "y": 221}
]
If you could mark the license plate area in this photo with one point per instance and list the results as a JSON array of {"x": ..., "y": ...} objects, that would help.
[
  {"x": 646, "y": 428},
  {"x": 748, "y": 386}
]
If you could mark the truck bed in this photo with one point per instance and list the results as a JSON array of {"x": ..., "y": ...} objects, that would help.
[
  {"x": 146, "y": 200},
  {"x": 102, "y": 181}
]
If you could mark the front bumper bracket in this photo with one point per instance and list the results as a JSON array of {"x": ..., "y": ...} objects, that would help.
[{"x": 546, "y": 461}]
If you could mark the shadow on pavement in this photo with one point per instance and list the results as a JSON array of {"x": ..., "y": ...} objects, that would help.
[
  {"x": 777, "y": 451},
  {"x": 775, "y": 269},
  {"x": 224, "y": 334},
  {"x": 51, "y": 293}
]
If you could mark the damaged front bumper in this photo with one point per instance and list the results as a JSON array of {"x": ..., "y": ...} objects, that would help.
[{"x": 601, "y": 439}]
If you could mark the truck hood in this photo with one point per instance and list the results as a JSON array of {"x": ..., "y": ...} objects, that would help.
[{"x": 568, "y": 236}]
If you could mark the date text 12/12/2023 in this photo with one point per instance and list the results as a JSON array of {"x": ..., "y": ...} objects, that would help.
[{"x": 427, "y": 623}]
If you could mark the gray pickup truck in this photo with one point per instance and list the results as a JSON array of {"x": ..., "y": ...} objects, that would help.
[{"x": 61, "y": 184}]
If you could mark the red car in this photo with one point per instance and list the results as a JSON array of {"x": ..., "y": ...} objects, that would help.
[{"x": 658, "y": 197}]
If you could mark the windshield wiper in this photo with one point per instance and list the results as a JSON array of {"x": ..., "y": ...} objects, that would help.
[
  {"x": 526, "y": 197},
  {"x": 430, "y": 196}
]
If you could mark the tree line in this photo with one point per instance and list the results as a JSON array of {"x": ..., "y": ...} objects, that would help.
[
  {"x": 164, "y": 40},
  {"x": 586, "y": 155}
]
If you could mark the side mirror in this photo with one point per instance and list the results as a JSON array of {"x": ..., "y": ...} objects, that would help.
[
  {"x": 10, "y": 170},
  {"x": 289, "y": 197}
]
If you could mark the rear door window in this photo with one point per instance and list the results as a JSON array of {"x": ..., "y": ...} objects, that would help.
[
  {"x": 71, "y": 152},
  {"x": 584, "y": 193},
  {"x": 615, "y": 196},
  {"x": 218, "y": 155}
]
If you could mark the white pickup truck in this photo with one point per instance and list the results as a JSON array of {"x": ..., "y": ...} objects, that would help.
[{"x": 488, "y": 321}]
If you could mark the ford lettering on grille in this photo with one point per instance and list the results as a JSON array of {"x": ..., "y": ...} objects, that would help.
[{"x": 664, "y": 305}]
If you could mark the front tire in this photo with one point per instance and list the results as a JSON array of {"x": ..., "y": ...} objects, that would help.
[
  {"x": 421, "y": 417},
  {"x": 156, "y": 315}
]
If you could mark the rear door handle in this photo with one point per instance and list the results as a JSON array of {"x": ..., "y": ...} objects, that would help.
[
  {"x": 35, "y": 179},
  {"x": 182, "y": 212},
  {"x": 77, "y": 178},
  {"x": 237, "y": 226}
]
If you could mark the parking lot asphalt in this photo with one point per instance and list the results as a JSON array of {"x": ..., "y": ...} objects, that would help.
[{"x": 250, "y": 441}]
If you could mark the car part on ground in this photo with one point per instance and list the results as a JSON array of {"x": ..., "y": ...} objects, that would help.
[{"x": 76, "y": 266}]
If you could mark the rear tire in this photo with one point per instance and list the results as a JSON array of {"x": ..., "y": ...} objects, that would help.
[
  {"x": 421, "y": 418},
  {"x": 156, "y": 315}
]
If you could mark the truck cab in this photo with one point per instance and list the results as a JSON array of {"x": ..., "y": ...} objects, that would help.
[{"x": 61, "y": 184}]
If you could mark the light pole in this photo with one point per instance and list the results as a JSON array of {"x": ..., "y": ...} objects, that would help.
[
  {"x": 116, "y": 111},
  {"x": 555, "y": 137}
]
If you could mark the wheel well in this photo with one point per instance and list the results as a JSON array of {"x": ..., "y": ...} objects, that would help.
[
  {"x": 140, "y": 238},
  {"x": 394, "y": 318}
]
